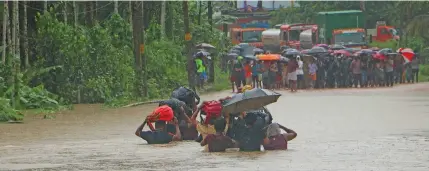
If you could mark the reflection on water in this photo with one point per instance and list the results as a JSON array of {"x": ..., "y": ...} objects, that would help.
[{"x": 363, "y": 129}]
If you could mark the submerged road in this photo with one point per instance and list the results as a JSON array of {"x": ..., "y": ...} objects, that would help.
[{"x": 382, "y": 129}]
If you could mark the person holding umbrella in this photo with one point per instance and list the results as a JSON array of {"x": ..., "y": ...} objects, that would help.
[
  {"x": 257, "y": 74},
  {"x": 238, "y": 72},
  {"x": 201, "y": 69}
]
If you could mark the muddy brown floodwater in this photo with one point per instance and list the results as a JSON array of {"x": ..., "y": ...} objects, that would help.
[{"x": 381, "y": 129}]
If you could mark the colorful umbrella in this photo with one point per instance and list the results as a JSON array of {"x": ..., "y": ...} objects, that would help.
[
  {"x": 268, "y": 57},
  {"x": 375, "y": 48},
  {"x": 321, "y": 45},
  {"x": 379, "y": 56},
  {"x": 342, "y": 52},
  {"x": 364, "y": 52},
  {"x": 407, "y": 53}
]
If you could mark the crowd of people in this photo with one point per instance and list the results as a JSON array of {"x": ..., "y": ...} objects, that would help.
[
  {"x": 176, "y": 119},
  {"x": 331, "y": 71}
]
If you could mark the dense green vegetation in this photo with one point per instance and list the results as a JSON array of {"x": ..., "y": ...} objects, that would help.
[{"x": 88, "y": 55}]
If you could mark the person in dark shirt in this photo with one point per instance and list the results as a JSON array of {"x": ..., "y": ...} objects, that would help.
[
  {"x": 218, "y": 142},
  {"x": 160, "y": 135},
  {"x": 182, "y": 112},
  {"x": 253, "y": 135}
]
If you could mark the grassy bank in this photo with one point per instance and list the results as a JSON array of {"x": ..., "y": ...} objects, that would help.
[{"x": 424, "y": 73}]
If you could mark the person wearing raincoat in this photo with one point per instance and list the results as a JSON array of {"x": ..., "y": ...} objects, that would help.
[{"x": 201, "y": 69}]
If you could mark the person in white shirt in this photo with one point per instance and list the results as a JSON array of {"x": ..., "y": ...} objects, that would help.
[{"x": 300, "y": 72}]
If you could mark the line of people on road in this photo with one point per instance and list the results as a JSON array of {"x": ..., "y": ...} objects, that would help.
[
  {"x": 176, "y": 120},
  {"x": 323, "y": 72}
]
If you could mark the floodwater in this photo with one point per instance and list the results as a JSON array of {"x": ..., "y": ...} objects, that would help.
[{"x": 383, "y": 129}]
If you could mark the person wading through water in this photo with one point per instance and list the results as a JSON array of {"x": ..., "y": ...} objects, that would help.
[
  {"x": 182, "y": 112},
  {"x": 252, "y": 136},
  {"x": 275, "y": 140},
  {"x": 219, "y": 142},
  {"x": 160, "y": 135}
]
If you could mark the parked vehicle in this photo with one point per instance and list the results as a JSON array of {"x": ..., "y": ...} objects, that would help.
[
  {"x": 382, "y": 33},
  {"x": 332, "y": 24},
  {"x": 253, "y": 36},
  {"x": 308, "y": 38},
  {"x": 271, "y": 40},
  {"x": 351, "y": 38},
  {"x": 290, "y": 34}
]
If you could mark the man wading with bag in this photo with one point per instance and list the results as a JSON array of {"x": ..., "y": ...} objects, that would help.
[{"x": 159, "y": 135}]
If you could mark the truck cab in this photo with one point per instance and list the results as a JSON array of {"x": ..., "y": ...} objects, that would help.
[
  {"x": 308, "y": 38},
  {"x": 382, "y": 33},
  {"x": 252, "y": 36},
  {"x": 290, "y": 34},
  {"x": 352, "y": 37}
]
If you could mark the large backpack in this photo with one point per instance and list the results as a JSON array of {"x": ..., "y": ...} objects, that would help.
[
  {"x": 212, "y": 110},
  {"x": 183, "y": 94}
]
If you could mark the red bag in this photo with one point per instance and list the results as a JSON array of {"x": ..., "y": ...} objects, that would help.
[
  {"x": 162, "y": 113},
  {"x": 212, "y": 109}
]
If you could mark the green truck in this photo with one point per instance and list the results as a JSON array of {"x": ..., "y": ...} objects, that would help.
[{"x": 341, "y": 27}]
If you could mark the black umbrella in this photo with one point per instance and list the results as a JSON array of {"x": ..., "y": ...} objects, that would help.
[
  {"x": 257, "y": 50},
  {"x": 232, "y": 55},
  {"x": 250, "y": 100},
  {"x": 284, "y": 59},
  {"x": 205, "y": 45},
  {"x": 237, "y": 47},
  {"x": 201, "y": 53},
  {"x": 237, "y": 51},
  {"x": 385, "y": 51},
  {"x": 251, "y": 57},
  {"x": 317, "y": 50},
  {"x": 291, "y": 52},
  {"x": 336, "y": 47}
]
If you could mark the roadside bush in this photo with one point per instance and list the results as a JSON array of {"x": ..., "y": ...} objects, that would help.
[{"x": 96, "y": 64}]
